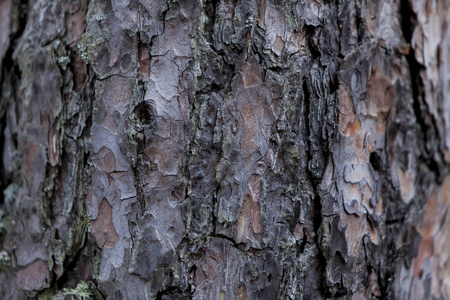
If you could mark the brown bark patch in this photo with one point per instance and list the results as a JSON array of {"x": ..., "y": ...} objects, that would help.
[
  {"x": 425, "y": 251},
  {"x": 407, "y": 182},
  {"x": 433, "y": 256},
  {"x": 251, "y": 133},
  {"x": 75, "y": 23},
  {"x": 104, "y": 160},
  {"x": 249, "y": 222},
  {"x": 79, "y": 70},
  {"x": 298, "y": 232},
  {"x": 30, "y": 155},
  {"x": 243, "y": 232},
  {"x": 103, "y": 228},
  {"x": 164, "y": 154},
  {"x": 380, "y": 98},
  {"x": 278, "y": 46},
  {"x": 251, "y": 74},
  {"x": 349, "y": 123},
  {"x": 355, "y": 229},
  {"x": 241, "y": 293},
  {"x": 34, "y": 276},
  {"x": 144, "y": 61}
]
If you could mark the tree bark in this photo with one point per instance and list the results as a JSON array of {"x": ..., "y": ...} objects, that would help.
[{"x": 226, "y": 149}]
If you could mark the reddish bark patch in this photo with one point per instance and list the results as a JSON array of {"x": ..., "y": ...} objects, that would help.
[
  {"x": 433, "y": 257},
  {"x": 103, "y": 228},
  {"x": 144, "y": 61},
  {"x": 425, "y": 251},
  {"x": 34, "y": 276},
  {"x": 249, "y": 140},
  {"x": 79, "y": 70},
  {"x": 249, "y": 220},
  {"x": 251, "y": 74},
  {"x": 278, "y": 46},
  {"x": 30, "y": 155},
  {"x": 104, "y": 160},
  {"x": 243, "y": 232},
  {"x": 380, "y": 98},
  {"x": 349, "y": 123},
  {"x": 75, "y": 23},
  {"x": 241, "y": 293}
]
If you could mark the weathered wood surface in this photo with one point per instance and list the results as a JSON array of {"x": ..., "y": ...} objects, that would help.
[{"x": 225, "y": 149}]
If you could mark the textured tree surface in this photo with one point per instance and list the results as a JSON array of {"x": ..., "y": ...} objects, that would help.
[{"x": 225, "y": 149}]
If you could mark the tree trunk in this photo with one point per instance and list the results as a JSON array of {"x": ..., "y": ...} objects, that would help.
[{"x": 230, "y": 149}]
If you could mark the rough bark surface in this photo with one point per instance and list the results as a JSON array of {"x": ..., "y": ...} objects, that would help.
[{"x": 225, "y": 149}]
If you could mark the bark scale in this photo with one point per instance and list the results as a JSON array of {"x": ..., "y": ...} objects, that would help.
[{"x": 225, "y": 149}]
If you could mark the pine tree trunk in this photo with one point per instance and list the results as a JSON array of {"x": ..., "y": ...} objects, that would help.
[{"x": 232, "y": 149}]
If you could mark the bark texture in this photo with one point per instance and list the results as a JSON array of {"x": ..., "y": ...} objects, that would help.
[{"x": 225, "y": 149}]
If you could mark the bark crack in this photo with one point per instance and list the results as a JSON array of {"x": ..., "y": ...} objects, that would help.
[
  {"x": 317, "y": 217},
  {"x": 433, "y": 158},
  {"x": 9, "y": 66}
]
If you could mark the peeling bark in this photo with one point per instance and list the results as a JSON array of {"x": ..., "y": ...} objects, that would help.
[{"x": 253, "y": 149}]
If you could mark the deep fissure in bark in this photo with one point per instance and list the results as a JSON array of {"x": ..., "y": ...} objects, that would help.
[
  {"x": 10, "y": 71},
  {"x": 427, "y": 122},
  {"x": 317, "y": 217}
]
